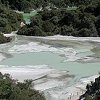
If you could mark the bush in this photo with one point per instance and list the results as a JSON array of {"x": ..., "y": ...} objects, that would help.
[
  {"x": 9, "y": 20},
  {"x": 8, "y": 28},
  {"x": 13, "y": 90},
  {"x": 98, "y": 25},
  {"x": 3, "y": 22},
  {"x": 48, "y": 26},
  {"x": 37, "y": 31},
  {"x": 32, "y": 31},
  {"x": 4, "y": 39},
  {"x": 61, "y": 21},
  {"x": 92, "y": 91},
  {"x": 66, "y": 30},
  {"x": 36, "y": 21}
]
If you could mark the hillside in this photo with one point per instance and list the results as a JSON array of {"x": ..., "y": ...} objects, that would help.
[
  {"x": 93, "y": 91},
  {"x": 27, "y": 5},
  {"x": 9, "y": 21},
  {"x": 12, "y": 90},
  {"x": 82, "y": 22}
]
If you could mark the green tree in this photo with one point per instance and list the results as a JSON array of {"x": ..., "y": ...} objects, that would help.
[
  {"x": 48, "y": 26},
  {"x": 13, "y": 90}
]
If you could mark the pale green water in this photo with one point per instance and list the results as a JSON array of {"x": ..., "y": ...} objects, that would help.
[
  {"x": 54, "y": 61},
  {"x": 27, "y": 16}
]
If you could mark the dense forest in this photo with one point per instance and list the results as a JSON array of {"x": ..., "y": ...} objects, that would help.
[
  {"x": 81, "y": 22},
  {"x": 12, "y": 90},
  {"x": 84, "y": 21},
  {"x": 26, "y": 5},
  {"x": 93, "y": 91},
  {"x": 9, "y": 20}
]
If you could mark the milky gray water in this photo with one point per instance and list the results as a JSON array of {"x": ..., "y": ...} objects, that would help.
[
  {"x": 54, "y": 63},
  {"x": 79, "y": 58},
  {"x": 76, "y": 58}
]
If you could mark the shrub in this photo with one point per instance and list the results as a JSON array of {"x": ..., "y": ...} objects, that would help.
[
  {"x": 66, "y": 30},
  {"x": 4, "y": 39},
  {"x": 48, "y": 26},
  {"x": 13, "y": 90}
]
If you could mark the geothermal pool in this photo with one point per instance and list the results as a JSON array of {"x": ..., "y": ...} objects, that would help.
[{"x": 52, "y": 62}]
